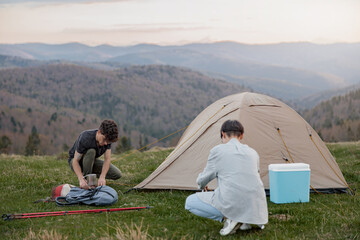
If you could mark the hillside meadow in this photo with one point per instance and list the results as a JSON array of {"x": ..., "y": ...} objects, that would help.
[{"x": 27, "y": 179}]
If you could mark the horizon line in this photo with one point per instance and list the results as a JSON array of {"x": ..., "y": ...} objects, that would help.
[{"x": 181, "y": 44}]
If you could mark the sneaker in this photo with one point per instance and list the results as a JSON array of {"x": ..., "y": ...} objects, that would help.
[
  {"x": 245, "y": 227},
  {"x": 230, "y": 227},
  {"x": 226, "y": 223},
  {"x": 261, "y": 226}
]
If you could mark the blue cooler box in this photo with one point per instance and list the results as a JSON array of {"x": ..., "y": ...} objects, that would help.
[{"x": 289, "y": 182}]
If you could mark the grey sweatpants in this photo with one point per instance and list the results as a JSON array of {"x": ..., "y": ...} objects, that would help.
[{"x": 89, "y": 164}]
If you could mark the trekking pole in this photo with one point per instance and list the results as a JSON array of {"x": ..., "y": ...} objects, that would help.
[{"x": 63, "y": 213}]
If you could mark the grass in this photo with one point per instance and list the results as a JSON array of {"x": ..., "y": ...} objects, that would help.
[{"x": 26, "y": 179}]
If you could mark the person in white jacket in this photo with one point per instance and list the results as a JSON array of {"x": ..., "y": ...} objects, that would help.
[{"x": 239, "y": 200}]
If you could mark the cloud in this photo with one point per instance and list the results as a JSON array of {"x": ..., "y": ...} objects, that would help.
[
  {"x": 36, "y": 3},
  {"x": 158, "y": 20},
  {"x": 130, "y": 34},
  {"x": 59, "y": 1},
  {"x": 142, "y": 28}
]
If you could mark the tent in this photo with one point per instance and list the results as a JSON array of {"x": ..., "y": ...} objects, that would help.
[{"x": 277, "y": 132}]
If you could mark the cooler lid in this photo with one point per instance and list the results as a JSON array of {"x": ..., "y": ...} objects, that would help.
[{"x": 289, "y": 167}]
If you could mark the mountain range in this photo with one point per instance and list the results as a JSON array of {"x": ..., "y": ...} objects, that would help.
[
  {"x": 288, "y": 71},
  {"x": 151, "y": 90}
]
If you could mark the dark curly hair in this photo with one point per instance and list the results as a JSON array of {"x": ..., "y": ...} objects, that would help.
[
  {"x": 110, "y": 129},
  {"x": 232, "y": 128}
]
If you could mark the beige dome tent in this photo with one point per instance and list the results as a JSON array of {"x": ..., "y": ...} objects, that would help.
[{"x": 277, "y": 132}]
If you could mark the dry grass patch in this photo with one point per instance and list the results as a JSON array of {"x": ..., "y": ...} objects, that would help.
[{"x": 44, "y": 235}]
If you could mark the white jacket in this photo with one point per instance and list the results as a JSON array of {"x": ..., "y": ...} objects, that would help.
[{"x": 240, "y": 194}]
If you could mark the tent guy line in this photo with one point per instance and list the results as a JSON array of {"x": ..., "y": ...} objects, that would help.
[
  {"x": 351, "y": 191},
  {"x": 287, "y": 149}
]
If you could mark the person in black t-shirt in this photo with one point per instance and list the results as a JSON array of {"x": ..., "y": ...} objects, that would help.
[{"x": 91, "y": 144}]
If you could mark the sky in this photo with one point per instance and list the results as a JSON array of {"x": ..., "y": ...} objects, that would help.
[{"x": 177, "y": 22}]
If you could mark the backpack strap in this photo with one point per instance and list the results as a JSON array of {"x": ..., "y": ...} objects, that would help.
[
  {"x": 61, "y": 202},
  {"x": 94, "y": 191}
]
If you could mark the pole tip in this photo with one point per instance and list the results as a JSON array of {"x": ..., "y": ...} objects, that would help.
[{"x": 6, "y": 217}]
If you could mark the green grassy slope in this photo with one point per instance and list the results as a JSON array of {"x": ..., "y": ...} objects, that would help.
[{"x": 26, "y": 179}]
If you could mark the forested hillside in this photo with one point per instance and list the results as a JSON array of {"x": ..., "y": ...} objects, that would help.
[
  {"x": 58, "y": 101},
  {"x": 337, "y": 119},
  {"x": 12, "y": 61}
]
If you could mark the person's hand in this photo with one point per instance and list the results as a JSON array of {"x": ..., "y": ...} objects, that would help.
[
  {"x": 101, "y": 181},
  {"x": 83, "y": 184}
]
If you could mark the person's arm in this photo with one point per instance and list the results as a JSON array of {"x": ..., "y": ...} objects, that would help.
[
  {"x": 77, "y": 169},
  {"x": 105, "y": 168},
  {"x": 210, "y": 171}
]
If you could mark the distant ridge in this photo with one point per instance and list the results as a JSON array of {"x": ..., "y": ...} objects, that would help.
[
  {"x": 13, "y": 61},
  {"x": 311, "y": 67},
  {"x": 312, "y": 100}
]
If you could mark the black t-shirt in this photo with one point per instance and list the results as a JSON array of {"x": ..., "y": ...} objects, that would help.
[{"x": 86, "y": 141}]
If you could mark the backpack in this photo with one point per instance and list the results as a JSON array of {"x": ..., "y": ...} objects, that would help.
[{"x": 99, "y": 196}]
